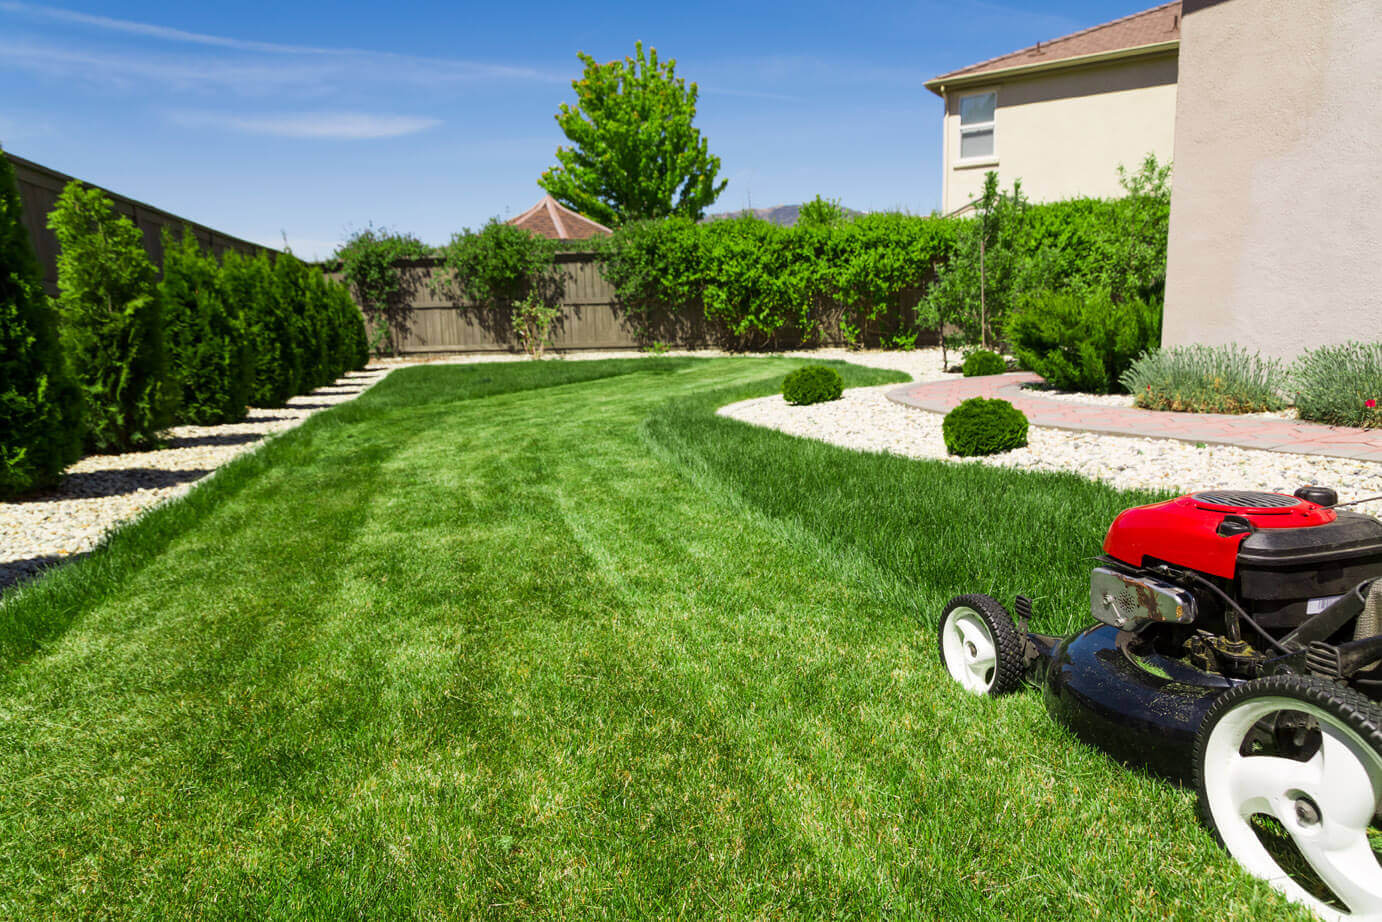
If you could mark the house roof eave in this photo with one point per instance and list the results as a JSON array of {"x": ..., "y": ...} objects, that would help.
[{"x": 943, "y": 85}]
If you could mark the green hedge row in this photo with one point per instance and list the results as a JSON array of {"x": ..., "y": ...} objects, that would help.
[
  {"x": 757, "y": 284},
  {"x": 122, "y": 354},
  {"x": 878, "y": 279}
]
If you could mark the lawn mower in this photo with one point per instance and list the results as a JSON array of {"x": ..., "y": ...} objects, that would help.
[{"x": 1238, "y": 649}]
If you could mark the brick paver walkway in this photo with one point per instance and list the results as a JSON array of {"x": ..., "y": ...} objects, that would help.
[{"x": 1211, "y": 428}]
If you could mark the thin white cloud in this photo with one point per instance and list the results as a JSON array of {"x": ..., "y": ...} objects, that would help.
[
  {"x": 125, "y": 70},
  {"x": 412, "y": 67},
  {"x": 333, "y": 126}
]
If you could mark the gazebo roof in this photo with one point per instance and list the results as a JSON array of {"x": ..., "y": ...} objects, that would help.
[{"x": 553, "y": 220}]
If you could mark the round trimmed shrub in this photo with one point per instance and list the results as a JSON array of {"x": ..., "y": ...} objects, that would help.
[
  {"x": 812, "y": 384},
  {"x": 981, "y": 426},
  {"x": 982, "y": 362}
]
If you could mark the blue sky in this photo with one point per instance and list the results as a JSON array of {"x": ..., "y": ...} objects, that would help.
[{"x": 309, "y": 120}]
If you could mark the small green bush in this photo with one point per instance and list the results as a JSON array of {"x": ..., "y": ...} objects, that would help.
[
  {"x": 209, "y": 357},
  {"x": 1340, "y": 385},
  {"x": 812, "y": 384},
  {"x": 1082, "y": 341},
  {"x": 1206, "y": 379},
  {"x": 981, "y": 426},
  {"x": 40, "y": 406},
  {"x": 111, "y": 322},
  {"x": 981, "y": 362}
]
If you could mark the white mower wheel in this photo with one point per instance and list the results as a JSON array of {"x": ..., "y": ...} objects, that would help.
[
  {"x": 979, "y": 645},
  {"x": 1320, "y": 779}
]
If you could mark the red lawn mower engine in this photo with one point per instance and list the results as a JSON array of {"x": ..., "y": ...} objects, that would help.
[
  {"x": 1239, "y": 649},
  {"x": 1200, "y": 560}
]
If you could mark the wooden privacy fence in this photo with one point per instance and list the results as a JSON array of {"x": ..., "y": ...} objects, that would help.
[
  {"x": 436, "y": 323},
  {"x": 39, "y": 188},
  {"x": 591, "y": 317}
]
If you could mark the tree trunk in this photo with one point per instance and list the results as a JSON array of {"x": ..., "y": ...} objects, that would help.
[{"x": 983, "y": 306}]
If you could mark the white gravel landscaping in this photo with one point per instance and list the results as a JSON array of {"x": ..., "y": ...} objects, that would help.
[
  {"x": 865, "y": 420},
  {"x": 102, "y": 491}
]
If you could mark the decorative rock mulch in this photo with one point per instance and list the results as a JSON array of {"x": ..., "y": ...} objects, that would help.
[
  {"x": 866, "y": 420},
  {"x": 102, "y": 491}
]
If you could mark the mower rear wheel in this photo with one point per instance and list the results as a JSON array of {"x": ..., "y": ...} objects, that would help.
[
  {"x": 1289, "y": 774},
  {"x": 979, "y": 645}
]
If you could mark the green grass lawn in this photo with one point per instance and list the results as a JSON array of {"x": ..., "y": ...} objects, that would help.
[{"x": 554, "y": 641}]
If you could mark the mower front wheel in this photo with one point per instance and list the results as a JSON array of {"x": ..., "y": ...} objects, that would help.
[{"x": 979, "y": 645}]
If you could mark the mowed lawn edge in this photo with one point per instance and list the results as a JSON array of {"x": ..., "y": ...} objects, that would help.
[
  {"x": 646, "y": 661},
  {"x": 37, "y": 610}
]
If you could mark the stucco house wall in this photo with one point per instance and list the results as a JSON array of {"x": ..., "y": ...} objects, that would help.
[
  {"x": 1276, "y": 208},
  {"x": 1064, "y": 133}
]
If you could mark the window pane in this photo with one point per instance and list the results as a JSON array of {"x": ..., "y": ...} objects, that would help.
[
  {"x": 976, "y": 143},
  {"x": 977, "y": 108}
]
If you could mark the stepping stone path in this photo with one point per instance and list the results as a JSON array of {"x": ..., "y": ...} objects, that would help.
[{"x": 1270, "y": 434}]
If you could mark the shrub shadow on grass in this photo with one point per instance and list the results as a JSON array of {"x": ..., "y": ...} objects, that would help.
[{"x": 14, "y": 572}]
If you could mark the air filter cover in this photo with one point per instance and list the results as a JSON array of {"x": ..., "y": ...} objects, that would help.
[{"x": 1249, "y": 502}]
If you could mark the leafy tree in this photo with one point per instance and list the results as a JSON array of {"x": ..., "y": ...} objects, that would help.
[
  {"x": 384, "y": 290},
  {"x": 821, "y": 212},
  {"x": 635, "y": 152},
  {"x": 40, "y": 405},
  {"x": 1139, "y": 236},
  {"x": 978, "y": 285},
  {"x": 209, "y": 356},
  {"x": 110, "y": 322}
]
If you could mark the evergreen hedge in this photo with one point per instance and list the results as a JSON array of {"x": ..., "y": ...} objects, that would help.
[
  {"x": 209, "y": 359},
  {"x": 1082, "y": 341},
  {"x": 111, "y": 324},
  {"x": 40, "y": 405}
]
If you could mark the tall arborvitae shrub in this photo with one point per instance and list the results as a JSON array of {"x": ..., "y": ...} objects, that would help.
[
  {"x": 208, "y": 355},
  {"x": 316, "y": 312},
  {"x": 289, "y": 292},
  {"x": 354, "y": 342},
  {"x": 40, "y": 406},
  {"x": 249, "y": 282},
  {"x": 110, "y": 322}
]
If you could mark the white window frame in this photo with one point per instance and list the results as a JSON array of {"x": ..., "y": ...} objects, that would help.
[{"x": 991, "y": 125}]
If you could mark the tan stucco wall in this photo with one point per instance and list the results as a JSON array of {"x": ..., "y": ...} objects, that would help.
[
  {"x": 1065, "y": 134},
  {"x": 1276, "y": 207}
]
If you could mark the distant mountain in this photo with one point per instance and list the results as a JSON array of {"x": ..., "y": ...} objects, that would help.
[{"x": 782, "y": 215}]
